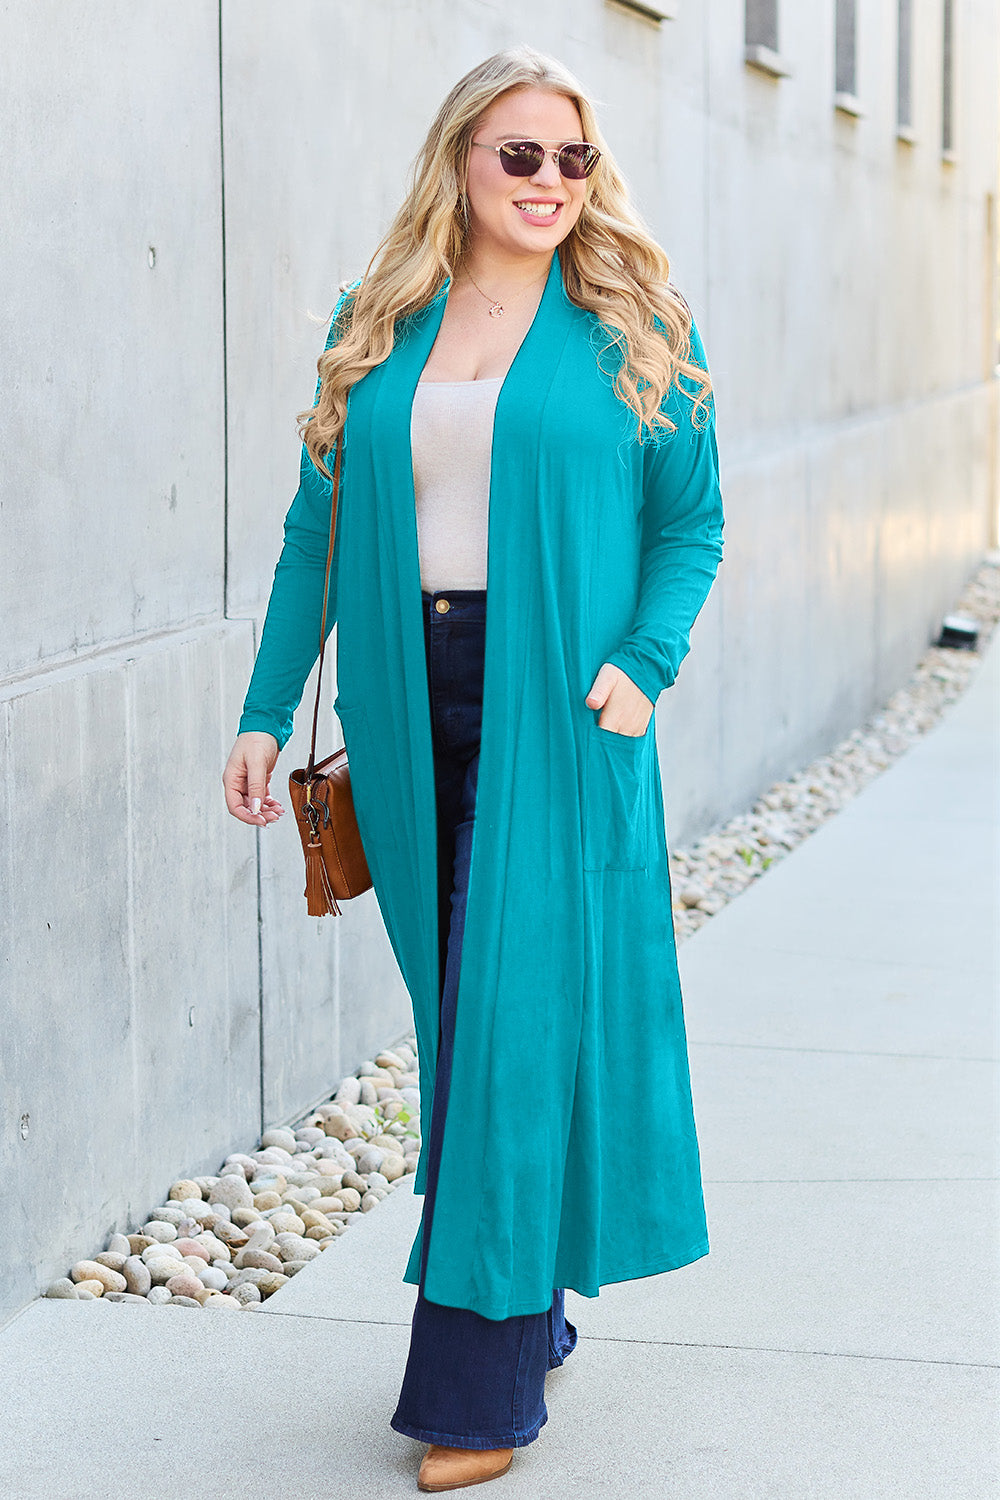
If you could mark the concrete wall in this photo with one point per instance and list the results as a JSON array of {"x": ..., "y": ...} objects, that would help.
[
  {"x": 162, "y": 992},
  {"x": 182, "y": 189}
]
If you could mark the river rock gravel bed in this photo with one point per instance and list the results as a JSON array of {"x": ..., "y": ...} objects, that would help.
[{"x": 232, "y": 1239}]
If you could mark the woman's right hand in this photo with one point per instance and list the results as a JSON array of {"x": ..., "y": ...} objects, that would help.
[{"x": 247, "y": 779}]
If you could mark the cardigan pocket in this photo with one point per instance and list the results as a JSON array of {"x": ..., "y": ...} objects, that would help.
[
  {"x": 616, "y": 801},
  {"x": 368, "y": 786}
]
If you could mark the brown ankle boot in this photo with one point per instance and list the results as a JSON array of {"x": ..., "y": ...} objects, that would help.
[{"x": 453, "y": 1468}]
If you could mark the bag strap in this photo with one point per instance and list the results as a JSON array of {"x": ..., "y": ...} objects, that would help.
[{"x": 326, "y": 594}]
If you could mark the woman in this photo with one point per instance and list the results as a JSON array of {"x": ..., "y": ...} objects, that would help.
[{"x": 522, "y": 395}]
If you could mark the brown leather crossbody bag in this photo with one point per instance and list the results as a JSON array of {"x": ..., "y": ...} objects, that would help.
[{"x": 336, "y": 867}]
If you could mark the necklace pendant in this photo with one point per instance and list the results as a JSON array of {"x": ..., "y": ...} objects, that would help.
[{"x": 496, "y": 311}]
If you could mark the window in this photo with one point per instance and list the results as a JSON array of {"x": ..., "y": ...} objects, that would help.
[
  {"x": 762, "y": 24},
  {"x": 904, "y": 73},
  {"x": 761, "y": 38},
  {"x": 845, "y": 96},
  {"x": 847, "y": 81},
  {"x": 948, "y": 83}
]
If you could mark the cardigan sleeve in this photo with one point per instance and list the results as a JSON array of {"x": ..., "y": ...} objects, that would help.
[
  {"x": 289, "y": 643},
  {"x": 681, "y": 548}
]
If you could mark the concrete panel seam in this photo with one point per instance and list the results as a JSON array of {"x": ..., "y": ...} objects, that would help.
[
  {"x": 114, "y": 654},
  {"x": 225, "y": 330},
  {"x": 746, "y": 452},
  {"x": 131, "y": 957},
  {"x": 261, "y": 1027}
]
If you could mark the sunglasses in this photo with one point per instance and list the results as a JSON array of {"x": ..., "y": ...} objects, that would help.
[{"x": 524, "y": 158}]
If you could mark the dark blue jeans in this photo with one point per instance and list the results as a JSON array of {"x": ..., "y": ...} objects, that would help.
[{"x": 470, "y": 1381}]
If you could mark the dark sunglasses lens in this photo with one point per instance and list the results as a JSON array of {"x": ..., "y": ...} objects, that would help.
[
  {"x": 521, "y": 159},
  {"x": 578, "y": 160}
]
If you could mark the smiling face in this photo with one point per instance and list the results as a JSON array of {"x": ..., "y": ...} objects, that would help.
[{"x": 518, "y": 216}]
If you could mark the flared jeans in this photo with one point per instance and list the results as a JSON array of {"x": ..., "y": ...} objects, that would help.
[{"x": 470, "y": 1381}]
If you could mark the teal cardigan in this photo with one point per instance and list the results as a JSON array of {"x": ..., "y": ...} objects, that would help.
[{"x": 601, "y": 548}]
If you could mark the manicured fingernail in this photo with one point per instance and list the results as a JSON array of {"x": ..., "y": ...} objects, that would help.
[{"x": 255, "y": 805}]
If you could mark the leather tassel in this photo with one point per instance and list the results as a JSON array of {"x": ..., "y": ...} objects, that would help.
[{"x": 320, "y": 900}]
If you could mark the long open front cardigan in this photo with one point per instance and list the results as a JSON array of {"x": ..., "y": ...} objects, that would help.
[{"x": 601, "y": 549}]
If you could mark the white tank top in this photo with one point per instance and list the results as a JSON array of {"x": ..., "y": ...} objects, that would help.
[{"x": 451, "y": 437}]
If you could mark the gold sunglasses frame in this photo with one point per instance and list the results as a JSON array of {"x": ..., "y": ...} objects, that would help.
[{"x": 547, "y": 150}]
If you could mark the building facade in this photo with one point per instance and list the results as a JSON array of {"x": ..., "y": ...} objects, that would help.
[{"x": 183, "y": 192}]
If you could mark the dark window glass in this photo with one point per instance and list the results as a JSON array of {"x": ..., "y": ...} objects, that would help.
[
  {"x": 948, "y": 79},
  {"x": 762, "y": 23},
  {"x": 847, "y": 78},
  {"x": 904, "y": 65}
]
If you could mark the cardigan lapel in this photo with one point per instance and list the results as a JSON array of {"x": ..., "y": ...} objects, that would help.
[{"x": 517, "y": 427}]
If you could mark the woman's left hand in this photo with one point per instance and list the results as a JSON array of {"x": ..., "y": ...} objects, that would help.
[{"x": 627, "y": 710}]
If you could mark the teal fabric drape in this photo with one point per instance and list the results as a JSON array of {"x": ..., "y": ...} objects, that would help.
[{"x": 600, "y": 549}]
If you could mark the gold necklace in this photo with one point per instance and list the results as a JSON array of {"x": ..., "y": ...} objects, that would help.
[{"x": 496, "y": 308}]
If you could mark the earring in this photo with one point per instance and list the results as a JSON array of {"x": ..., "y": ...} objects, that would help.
[{"x": 463, "y": 209}]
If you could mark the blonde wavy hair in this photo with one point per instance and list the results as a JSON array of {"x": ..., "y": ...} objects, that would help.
[{"x": 611, "y": 264}]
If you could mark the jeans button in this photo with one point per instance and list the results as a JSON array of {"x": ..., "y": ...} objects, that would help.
[{"x": 442, "y": 606}]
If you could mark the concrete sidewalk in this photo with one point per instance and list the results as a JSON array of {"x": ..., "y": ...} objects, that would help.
[{"x": 840, "y": 1339}]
